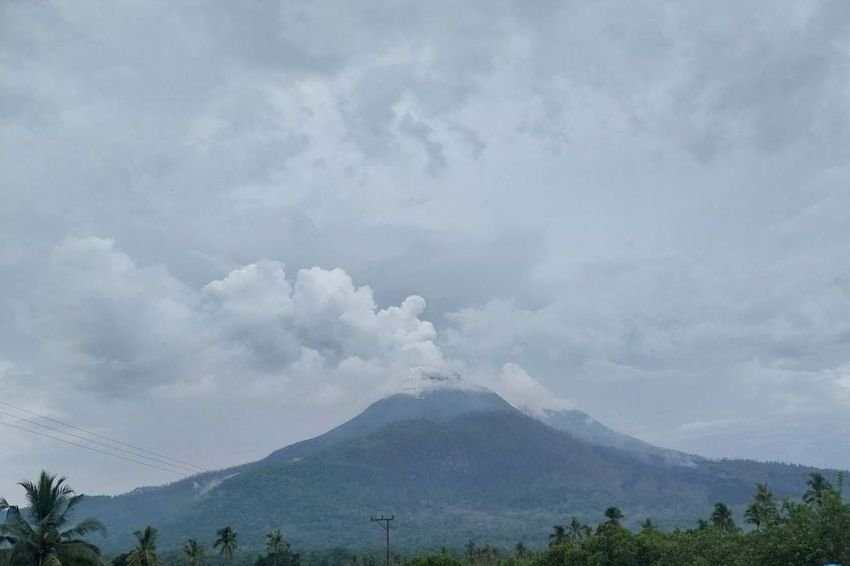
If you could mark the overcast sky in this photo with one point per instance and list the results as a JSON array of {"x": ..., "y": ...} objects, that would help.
[{"x": 226, "y": 226}]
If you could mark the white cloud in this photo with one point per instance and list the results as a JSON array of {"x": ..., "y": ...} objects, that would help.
[
  {"x": 647, "y": 347},
  {"x": 108, "y": 324},
  {"x": 119, "y": 328},
  {"x": 527, "y": 393}
]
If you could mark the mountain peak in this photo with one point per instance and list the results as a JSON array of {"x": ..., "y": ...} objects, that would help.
[
  {"x": 426, "y": 394},
  {"x": 423, "y": 380}
]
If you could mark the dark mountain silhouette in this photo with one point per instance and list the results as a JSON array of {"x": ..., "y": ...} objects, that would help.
[
  {"x": 439, "y": 405},
  {"x": 453, "y": 464}
]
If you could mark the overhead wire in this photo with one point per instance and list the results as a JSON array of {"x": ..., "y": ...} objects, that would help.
[
  {"x": 101, "y": 436},
  {"x": 112, "y": 454},
  {"x": 181, "y": 467}
]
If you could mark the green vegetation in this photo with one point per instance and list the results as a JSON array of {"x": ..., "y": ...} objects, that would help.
[
  {"x": 810, "y": 532},
  {"x": 278, "y": 552},
  {"x": 499, "y": 477},
  {"x": 145, "y": 552},
  {"x": 40, "y": 534},
  {"x": 226, "y": 542},
  {"x": 194, "y": 553}
]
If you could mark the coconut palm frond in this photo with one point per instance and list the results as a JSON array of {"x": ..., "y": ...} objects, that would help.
[
  {"x": 39, "y": 537},
  {"x": 4, "y": 539},
  {"x": 85, "y": 527},
  {"x": 226, "y": 542},
  {"x": 23, "y": 554},
  {"x": 79, "y": 551},
  {"x": 16, "y": 526},
  {"x": 51, "y": 560},
  {"x": 194, "y": 552}
]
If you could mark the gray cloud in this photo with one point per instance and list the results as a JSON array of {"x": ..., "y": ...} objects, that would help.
[
  {"x": 641, "y": 206},
  {"x": 119, "y": 329}
]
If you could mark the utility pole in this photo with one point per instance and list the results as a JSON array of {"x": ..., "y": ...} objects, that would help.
[{"x": 385, "y": 524}]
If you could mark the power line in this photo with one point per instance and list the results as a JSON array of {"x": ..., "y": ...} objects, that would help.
[
  {"x": 180, "y": 467},
  {"x": 90, "y": 448},
  {"x": 139, "y": 448}
]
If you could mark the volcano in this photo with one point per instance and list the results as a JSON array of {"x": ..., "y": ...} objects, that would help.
[{"x": 453, "y": 463}]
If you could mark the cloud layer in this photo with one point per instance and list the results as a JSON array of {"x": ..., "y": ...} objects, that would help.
[
  {"x": 117, "y": 329},
  {"x": 642, "y": 207}
]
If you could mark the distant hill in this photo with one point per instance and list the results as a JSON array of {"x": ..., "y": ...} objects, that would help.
[{"x": 453, "y": 463}]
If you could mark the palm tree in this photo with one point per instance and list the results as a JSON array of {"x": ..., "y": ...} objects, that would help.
[
  {"x": 817, "y": 487},
  {"x": 145, "y": 552},
  {"x": 558, "y": 536},
  {"x": 194, "y": 552},
  {"x": 614, "y": 516},
  {"x": 45, "y": 539},
  {"x": 648, "y": 525},
  {"x": 226, "y": 542},
  {"x": 577, "y": 530},
  {"x": 762, "y": 510},
  {"x": 275, "y": 544},
  {"x": 721, "y": 518}
]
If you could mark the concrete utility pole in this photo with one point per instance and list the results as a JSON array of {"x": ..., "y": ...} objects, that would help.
[{"x": 385, "y": 524}]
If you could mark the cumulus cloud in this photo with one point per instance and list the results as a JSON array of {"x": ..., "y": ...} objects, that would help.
[
  {"x": 111, "y": 325},
  {"x": 120, "y": 328}
]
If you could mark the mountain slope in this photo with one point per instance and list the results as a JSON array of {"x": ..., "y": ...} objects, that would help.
[
  {"x": 439, "y": 404},
  {"x": 496, "y": 475},
  {"x": 451, "y": 464},
  {"x": 584, "y": 427}
]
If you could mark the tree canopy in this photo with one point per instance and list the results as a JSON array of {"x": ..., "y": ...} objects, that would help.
[{"x": 41, "y": 534}]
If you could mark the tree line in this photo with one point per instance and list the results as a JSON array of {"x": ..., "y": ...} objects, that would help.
[
  {"x": 41, "y": 535},
  {"x": 811, "y": 532},
  {"x": 194, "y": 553}
]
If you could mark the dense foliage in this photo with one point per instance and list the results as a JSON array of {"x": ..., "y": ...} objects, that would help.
[
  {"x": 41, "y": 534},
  {"x": 814, "y": 531}
]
